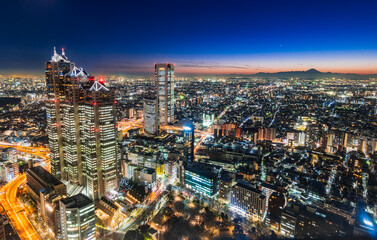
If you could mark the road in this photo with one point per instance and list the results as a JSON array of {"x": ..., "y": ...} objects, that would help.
[
  {"x": 14, "y": 209},
  {"x": 156, "y": 202},
  {"x": 125, "y": 126},
  {"x": 206, "y": 133},
  {"x": 142, "y": 217}
]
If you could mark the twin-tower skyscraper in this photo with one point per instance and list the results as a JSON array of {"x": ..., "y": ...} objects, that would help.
[{"x": 82, "y": 127}]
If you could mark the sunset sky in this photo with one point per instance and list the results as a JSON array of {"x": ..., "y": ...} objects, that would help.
[{"x": 201, "y": 37}]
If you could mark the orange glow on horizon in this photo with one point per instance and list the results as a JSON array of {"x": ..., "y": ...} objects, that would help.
[{"x": 224, "y": 71}]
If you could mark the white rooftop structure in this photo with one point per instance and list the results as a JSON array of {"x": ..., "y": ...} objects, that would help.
[
  {"x": 98, "y": 86},
  {"x": 58, "y": 58}
]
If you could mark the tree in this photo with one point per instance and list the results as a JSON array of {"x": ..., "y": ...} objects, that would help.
[
  {"x": 143, "y": 229},
  {"x": 179, "y": 206}
]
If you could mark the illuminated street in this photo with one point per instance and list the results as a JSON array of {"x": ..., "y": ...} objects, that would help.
[
  {"x": 175, "y": 120},
  {"x": 14, "y": 209}
]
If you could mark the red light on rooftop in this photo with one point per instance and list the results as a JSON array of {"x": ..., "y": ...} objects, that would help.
[
  {"x": 167, "y": 63},
  {"x": 91, "y": 78},
  {"x": 101, "y": 80},
  {"x": 95, "y": 103}
]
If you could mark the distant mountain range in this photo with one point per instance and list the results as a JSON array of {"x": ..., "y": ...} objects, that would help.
[{"x": 312, "y": 74}]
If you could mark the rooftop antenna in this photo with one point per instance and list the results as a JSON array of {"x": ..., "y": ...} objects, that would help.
[
  {"x": 54, "y": 50},
  {"x": 63, "y": 53}
]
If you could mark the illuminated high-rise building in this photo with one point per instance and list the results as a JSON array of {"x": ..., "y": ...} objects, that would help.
[
  {"x": 150, "y": 109},
  {"x": 72, "y": 116},
  {"x": 164, "y": 82},
  {"x": 55, "y": 70},
  {"x": 81, "y": 127},
  {"x": 77, "y": 218},
  {"x": 100, "y": 139}
]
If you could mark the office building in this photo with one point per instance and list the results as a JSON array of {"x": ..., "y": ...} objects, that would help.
[
  {"x": 146, "y": 175},
  {"x": 164, "y": 82},
  {"x": 38, "y": 179},
  {"x": 46, "y": 191},
  {"x": 72, "y": 116},
  {"x": 248, "y": 201},
  {"x": 225, "y": 187},
  {"x": 288, "y": 224},
  {"x": 267, "y": 134},
  {"x": 99, "y": 135},
  {"x": 77, "y": 218},
  {"x": 202, "y": 178},
  {"x": 49, "y": 210},
  {"x": 276, "y": 203},
  {"x": 55, "y": 71},
  {"x": 189, "y": 141},
  {"x": 296, "y": 138},
  {"x": 298, "y": 221},
  {"x": 151, "y": 116},
  {"x": 81, "y": 125}
]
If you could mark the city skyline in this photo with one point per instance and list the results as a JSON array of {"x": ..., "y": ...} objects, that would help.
[
  {"x": 164, "y": 120},
  {"x": 202, "y": 38}
]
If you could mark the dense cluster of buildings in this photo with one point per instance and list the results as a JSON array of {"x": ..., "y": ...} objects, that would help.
[
  {"x": 298, "y": 157},
  {"x": 65, "y": 217}
]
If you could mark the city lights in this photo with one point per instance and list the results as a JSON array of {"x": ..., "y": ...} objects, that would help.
[{"x": 209, "y": 120}]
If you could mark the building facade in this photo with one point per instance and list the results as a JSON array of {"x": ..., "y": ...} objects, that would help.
[
  {"x": 202, "y": 178},
  {"x": 55, "y": 70},
  {"x": 164, "y": 82},
  {"x": 38, "y": 179},
  {"x": 151, "y": 115},
  {"x": 82, "y": 129},
  {"x": 248, "y": 201},
  {"x": 100, "y": 148},
  {"x": 77, "y": 218}
]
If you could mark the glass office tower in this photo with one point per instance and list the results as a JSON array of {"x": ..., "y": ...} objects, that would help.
[{"x": 164, "y": 82}]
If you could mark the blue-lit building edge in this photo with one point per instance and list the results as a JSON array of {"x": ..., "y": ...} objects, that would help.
[{"x": 201, "y": 184}]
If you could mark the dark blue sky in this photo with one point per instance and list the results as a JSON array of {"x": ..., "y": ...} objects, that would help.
[{"x": 199, "y": 36}]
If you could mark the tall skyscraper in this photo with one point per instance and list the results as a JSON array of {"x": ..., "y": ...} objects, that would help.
[
  {"x": 150, "y": 109},
  {"x": 72, "y": 116},
  {"x": 55, "y": 70},
  {"x": 100, "y": 139},
  {"x": 77, "y": 218},
  {"x": 164, "y": 82},
  {"x": 189, "y": 141},
  {"x": 81, "y": 127}
]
